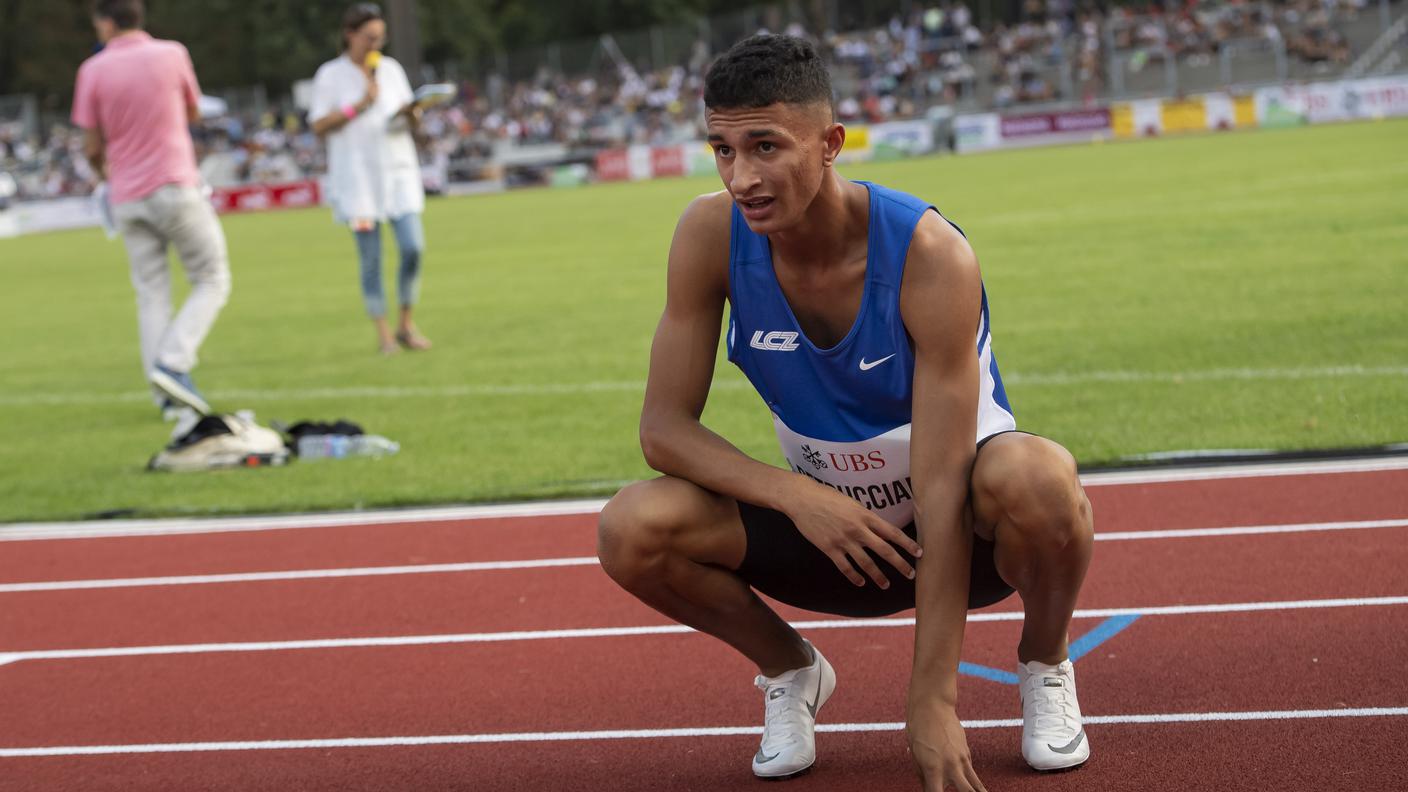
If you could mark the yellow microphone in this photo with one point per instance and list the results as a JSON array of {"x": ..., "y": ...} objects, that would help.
[{"x": 373, "y": 60}]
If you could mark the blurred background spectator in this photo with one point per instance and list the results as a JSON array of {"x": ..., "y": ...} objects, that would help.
[{"x": 934, "y": 54}]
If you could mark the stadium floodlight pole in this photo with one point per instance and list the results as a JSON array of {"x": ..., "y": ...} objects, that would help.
[{"x": 404, "y": 28}]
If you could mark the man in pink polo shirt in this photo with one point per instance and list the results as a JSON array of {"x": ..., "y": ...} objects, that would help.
[{"x": 134, "y": 100}]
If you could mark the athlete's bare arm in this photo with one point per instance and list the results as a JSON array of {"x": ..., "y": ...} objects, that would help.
[
  {"x": 677, "y": 444},
  {"x": 940, "y": 301}
]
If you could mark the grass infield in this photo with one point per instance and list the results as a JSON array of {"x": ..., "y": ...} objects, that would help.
[{"x": 1240, "y": 290}]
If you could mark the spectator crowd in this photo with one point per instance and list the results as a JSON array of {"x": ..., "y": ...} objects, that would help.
[{"x": 1059, "y": 51}]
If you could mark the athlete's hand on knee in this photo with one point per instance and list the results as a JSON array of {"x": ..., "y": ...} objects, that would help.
[
  {"x": 940, "y": 751},
  {"x": 844, "y": 530}
]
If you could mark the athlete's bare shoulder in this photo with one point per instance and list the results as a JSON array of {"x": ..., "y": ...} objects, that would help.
[
  {"x": 708, "y": 217},
  {"x": 938, "y": 249},
  {"x": 941, "y": 277},
  {"x": 699, "y": 250}
]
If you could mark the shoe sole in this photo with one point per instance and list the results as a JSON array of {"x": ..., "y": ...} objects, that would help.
[
  {"x": 1060, "y": 768},
  {"x": 789, "y": 776},
  {"x": 178, "y": 392},
  {"x": 1064, "y": 769}
]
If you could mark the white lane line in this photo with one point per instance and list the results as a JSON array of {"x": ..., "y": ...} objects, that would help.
[
  {"x": 661, "y": 629},
  {"x": 649, "y": 734},
  {"x": 540, "y": 563},
  {"x": 1237, "y": 471},
  {"x": 725, "y": 383},
  {"x": 1249, "y": 530},
  {"x": 296, "y": 574},
  {"x": 90, "y": 529}
]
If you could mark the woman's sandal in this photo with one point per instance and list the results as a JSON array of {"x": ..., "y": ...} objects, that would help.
[{"x": 412, "y": 341}]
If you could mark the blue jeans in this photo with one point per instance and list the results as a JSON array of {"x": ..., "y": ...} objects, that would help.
[{"x": 410, "y": 242}]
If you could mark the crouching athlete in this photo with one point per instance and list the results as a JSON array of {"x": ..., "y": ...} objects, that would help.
[{"x": 859, "y": 315}]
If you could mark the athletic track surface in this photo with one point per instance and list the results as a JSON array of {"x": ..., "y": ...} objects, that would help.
[{"x": 1241, "y": 628}]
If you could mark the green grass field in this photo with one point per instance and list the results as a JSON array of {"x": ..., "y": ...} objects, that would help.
[{"x": 1243, "y": 290}]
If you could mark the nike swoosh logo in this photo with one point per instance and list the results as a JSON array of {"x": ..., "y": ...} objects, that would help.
[
  {"x": 1071, "y": 746},
  {"x": 864, "y": 366},
  {"x": 763, "y": 758}
]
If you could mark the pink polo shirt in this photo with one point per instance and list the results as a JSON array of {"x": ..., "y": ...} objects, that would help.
[{"x": 135, "y": 92}]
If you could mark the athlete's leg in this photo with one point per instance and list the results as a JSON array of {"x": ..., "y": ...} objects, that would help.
[
  {"x": 674, "y": 545},
  {"x": 1028, "y": 499}
]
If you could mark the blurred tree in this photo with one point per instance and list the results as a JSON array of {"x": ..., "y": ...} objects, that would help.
[
  {"x": 277, "y": 42},
  {"x": 41, "y": 44}
]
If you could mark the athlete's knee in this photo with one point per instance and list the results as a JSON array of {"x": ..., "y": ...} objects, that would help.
[
  {"x": 1037, "y": 492},
  {"x": 636, "y": 532}
]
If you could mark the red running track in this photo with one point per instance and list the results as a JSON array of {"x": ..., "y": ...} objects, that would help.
[
  {"x": 1326, "y": 658},
  {"x": 1144, "y": 573}
]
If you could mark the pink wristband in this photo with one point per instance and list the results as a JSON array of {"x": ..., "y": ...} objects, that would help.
[{"x": 350, "y": 111}]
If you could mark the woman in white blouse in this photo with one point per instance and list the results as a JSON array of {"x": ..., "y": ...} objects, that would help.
[{"x": 363, "y": 106}]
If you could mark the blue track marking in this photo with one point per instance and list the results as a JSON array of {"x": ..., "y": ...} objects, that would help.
[
  {"x": 1079, "y": 648},
  {"x": 991, "y": 674},
  {"x": 1103, "y": 632}
]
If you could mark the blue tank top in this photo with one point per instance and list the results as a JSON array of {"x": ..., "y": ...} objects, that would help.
[{"x": 842, "y": 414}]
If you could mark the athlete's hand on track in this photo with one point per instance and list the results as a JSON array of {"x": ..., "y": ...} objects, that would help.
[
  {"x": 843, "y": 529},
  {"x": 940, "y": 750}
]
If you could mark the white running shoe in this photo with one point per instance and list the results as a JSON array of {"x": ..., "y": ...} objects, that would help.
[
  {"x": 1052, "y": 735},
  {"x": 789, "y": 730}
]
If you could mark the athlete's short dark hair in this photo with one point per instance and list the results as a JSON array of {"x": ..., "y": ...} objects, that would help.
[
  {"x": 125, "y": 14},
  {"x": 767, "y": 69}
]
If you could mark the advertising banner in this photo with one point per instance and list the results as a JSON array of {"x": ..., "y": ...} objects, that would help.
[
  {"x": 1219, "y": 111},
  {"x": 1146, "y": 117},
  {"x": 56, "y": 214},
  {"x": 668, "y": 161},
  {"x": 896, "y": 139},
  {"x": 1081, "y": 123},
  {"x": 611, "y": 165},
  {"x": 701, "y": 159},
  {"x": 978, "y": 132},
  {"x": 1383, "y": 97},
  {"x": 638, "y": 162},
  {"x": 1318, "y": 103},
  {"x": 857, "y": 145},
  {"x": 258, "y": 197},
  {"x": 1184, "y": 115}
]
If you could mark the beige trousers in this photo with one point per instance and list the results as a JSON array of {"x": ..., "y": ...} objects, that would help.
[{"x": 182, "y": 217}]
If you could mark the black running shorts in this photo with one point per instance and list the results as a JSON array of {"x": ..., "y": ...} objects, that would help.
[{"x": 782, "y": 564}]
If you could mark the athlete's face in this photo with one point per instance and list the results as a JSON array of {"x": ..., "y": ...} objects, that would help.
[{"x": 772, "y": 159}]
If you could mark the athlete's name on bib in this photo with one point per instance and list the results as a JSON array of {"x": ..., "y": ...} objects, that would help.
[{"x": 872, "y": 496}]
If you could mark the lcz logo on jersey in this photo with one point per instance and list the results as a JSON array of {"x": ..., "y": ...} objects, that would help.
[{"x": 776, "y": 341}]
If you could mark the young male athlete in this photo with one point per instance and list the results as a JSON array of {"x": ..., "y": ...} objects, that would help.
[{"x": 859, "y": 315}]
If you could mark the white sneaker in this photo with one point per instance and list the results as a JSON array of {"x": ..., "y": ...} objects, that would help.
[
  {"x": 1052, "y": 735},
  {"x": 789, "y": 730}
]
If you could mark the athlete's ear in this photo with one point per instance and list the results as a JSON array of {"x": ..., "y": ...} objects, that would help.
[{"x": 834, "y": 140}]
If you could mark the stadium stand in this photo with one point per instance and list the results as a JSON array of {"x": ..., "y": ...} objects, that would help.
[{"x": 1062, "y": 51}]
